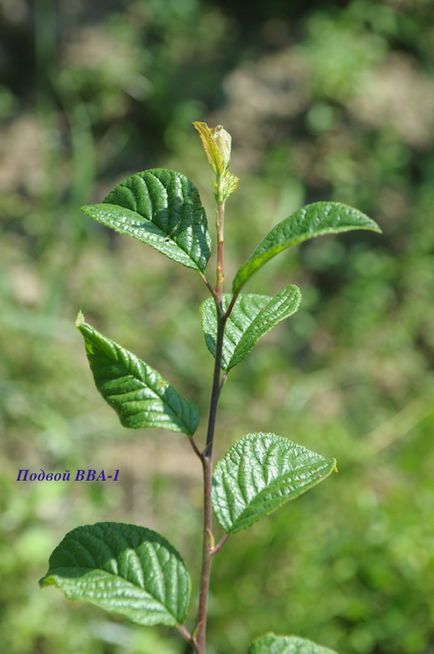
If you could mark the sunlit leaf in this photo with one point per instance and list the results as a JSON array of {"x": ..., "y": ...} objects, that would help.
[
  {"x": 161, "y": 208},
  {"x": 312, "y": 220},
  {"x": 124, "y": 569},
  {"x": 139, "y": 394},
  {"x": 261, "y": 472},
  {"x": 252, "y": 317}
]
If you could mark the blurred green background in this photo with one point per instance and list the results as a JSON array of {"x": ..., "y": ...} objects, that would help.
[{"x": 325, "y": 100}]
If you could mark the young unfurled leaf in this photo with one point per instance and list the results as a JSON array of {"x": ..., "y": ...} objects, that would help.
[
  {"x": 272, "y": 644},
  {"x": 161, "y": 208},
  {"x": 217, "y": 142},
  {"x": 252, "y": 317},
  {"x": 124, "y": 569},
  {"x": 261, "y": 472},
  {"x": 139, "y": 394},
  {"x": 312, "y": 220}
]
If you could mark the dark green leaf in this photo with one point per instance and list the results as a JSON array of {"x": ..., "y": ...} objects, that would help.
[
  {"x": 252, "y": 317},
  {"x": 271, "y": 644},
  {"x": 261, "y": 472},
  {"x": 312, "y": 220},
  {"x": 161, "y": 208},
  {"x": 124, "y": 569},
  {"x": 139, "y": 394}
]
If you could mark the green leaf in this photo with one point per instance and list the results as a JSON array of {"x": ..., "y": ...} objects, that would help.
[
  {"x": 124, "y": 569},
  {"x": 139, "y": 394},
  {"x": 252, "y": 317},
  {"x": 161, "y": 208},
  {"x": 272, "y": 644},
  {"x": 312, "y": 220},
  {"x": 259, "y": 474}
]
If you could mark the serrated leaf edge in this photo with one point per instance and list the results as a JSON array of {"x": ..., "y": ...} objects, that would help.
[
  {"x": 234, "y": 359},
  {"x": 51, "y": 579},
  {"x": 251, "y": 437},
  {"x": 81, "y": 325},
  {"x": 370, "y": 226},
  {"x": 87, "y": 209}
]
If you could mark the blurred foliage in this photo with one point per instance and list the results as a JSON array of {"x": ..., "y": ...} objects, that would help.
[{"x": 324, "y": 100}]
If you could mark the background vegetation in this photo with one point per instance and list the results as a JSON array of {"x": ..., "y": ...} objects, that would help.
[{"x": 324, "y": 100}]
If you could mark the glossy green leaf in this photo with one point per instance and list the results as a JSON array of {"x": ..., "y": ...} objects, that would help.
[
  {"x": 139, "y": 394},
  {"x": 261, "y": 472},
  {"x": 252, "y": 317},
  {"x": 312, "y": 220},
  {"x": 124, "y": 569},
  {"x": 161, "y": 208},
  {"x": 272, "y": 644}
]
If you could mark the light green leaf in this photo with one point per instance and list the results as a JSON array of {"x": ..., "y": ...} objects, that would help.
[
  {"x": 272, "y": 644},
  {"x": 124, "y": 569},
  {"x": 312, "y": 220},
  {"x": 261, "y": 472},
  {"x": 139, "y": 394},
  {"x": 161, "y": 208},
  {"x": 252, "y": 317}
]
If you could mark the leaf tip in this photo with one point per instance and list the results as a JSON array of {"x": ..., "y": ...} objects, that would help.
[
  {"x": 87, "y": 209},
  {"x": 371, "y": 225},
  {"x": 47, "y": 580},
  {"x": 80, "y": 319}
]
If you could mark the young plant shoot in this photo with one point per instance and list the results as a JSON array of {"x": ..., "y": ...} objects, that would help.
[{"x": 134, "y": 571}]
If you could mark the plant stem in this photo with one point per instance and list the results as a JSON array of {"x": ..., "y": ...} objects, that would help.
[
  {"x": 200, "y": 639},
  {"x": 208, "y": 549},
  {"x": 208, "y": 540},
  {"x": 216, "y": 549},
  {"x": 194, "y": 446},
  {"x": 220, "y": 252},
  {"x": 215, "y": 392},
  {"x": 185, "y": 633}
]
